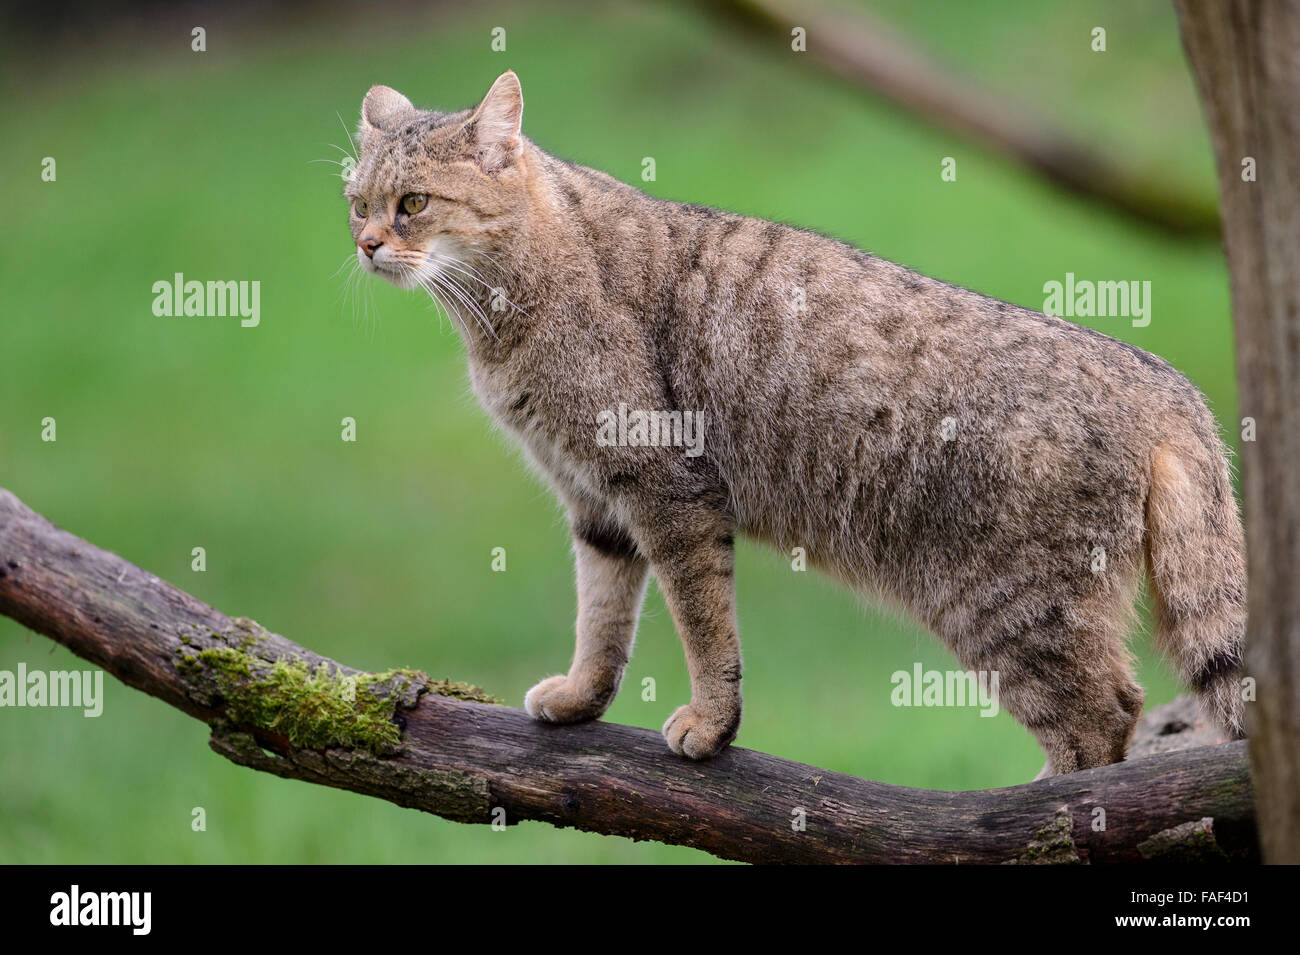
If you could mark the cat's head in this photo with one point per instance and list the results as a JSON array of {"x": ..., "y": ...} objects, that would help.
[{"x": 432, "y": 191}]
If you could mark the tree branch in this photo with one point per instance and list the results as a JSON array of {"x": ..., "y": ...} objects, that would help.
[
  {"x": 429, "y": 745},
  {"x": 868, "y": 55}
]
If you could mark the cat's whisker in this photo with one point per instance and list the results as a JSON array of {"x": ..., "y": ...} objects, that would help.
[
  {"x": 466, "y": 297},
  {"x": 361, "y": 305},
  {"x": 436, "y": 303},
  {"x": 349, "y": 259},
  {"x": 458, "y": 293},
  {"x": 332, "y": 162},
  {"x": 448, "y": 259},
  {"x": 348, "y": 133},
  {"x": 424, "y": 279},
  {"x": 464, "y": 268},
  {"x": 357, "y": 298},
  {"x": 490, "y": 257},
  {"x": 480, "y": 316},
  {"x": 442, "y": 307},
  {"x": 474, "y": 270},
  {"x": 361, "y": 294},
  {"x": 449, "y": 285},
  {"x": 372, "y": 308},
  {"x": 435, "y": 290},
  {"x": 456, "y": 265},
  {"x": 351, "y": 283}
]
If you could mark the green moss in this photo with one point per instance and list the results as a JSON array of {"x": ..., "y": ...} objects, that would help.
[
  {"x": 313, "y": 708},
  {"x": 248, "y": 632},
  {"x": 460, "y": 691},
  {"x": 319, "y": 708}
]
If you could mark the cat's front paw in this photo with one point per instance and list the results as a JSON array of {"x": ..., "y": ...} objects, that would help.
[
  {"x": 556, "y": 700},
  {"x": 701, "y": 731}
]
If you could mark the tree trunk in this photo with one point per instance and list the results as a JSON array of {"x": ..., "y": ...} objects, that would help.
[{"x": 1245, "y": 55}]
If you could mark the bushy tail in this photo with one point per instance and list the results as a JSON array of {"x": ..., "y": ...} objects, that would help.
[{"x": 1196, "y": 558}]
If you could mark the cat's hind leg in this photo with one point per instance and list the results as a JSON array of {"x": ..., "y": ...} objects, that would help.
[{"x": 1065, "y": 674}]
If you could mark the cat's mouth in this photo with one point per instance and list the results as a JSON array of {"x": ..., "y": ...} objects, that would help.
[
  {"x": 396, "y": 268},
  {"x": 455, "y": 284}
]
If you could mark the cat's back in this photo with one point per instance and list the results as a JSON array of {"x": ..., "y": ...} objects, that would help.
[
  {"x": 834, "y": 375},
  {"x": 786, "y": 338}
]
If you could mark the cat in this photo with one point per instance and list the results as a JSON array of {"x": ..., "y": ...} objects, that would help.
[{"x": 1005, "y": 476}]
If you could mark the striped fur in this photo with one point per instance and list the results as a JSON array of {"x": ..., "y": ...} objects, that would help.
[{"x": 962, "y": 457}]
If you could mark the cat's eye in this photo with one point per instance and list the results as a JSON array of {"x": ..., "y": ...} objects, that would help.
[
  {"x": 413, "y": 202},
  {"x": 359, "y": 205}
]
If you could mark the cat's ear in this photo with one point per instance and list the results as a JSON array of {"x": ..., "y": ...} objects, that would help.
[
  {"x": 381, "y": 112},
  {"x": 496, "y": 123}
]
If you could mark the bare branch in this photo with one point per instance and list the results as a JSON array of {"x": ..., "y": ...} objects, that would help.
[
  {"x": 871, "y": 57},
  {"x": 399, "y": 736}
]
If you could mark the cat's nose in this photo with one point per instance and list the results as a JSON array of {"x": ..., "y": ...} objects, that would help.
[{"x": 368, "y": 245}]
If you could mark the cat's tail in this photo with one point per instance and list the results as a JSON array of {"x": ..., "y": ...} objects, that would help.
[{"x": 1197, "y": 564}]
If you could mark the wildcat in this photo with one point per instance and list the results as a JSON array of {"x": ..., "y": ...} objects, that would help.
[{"x": 1005, "y": 476}]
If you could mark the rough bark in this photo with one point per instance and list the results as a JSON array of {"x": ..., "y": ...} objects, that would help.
[
  {"x": 1244, "y": 56},
  {"x": 478, "y": 762},
  {"x": 858, "y": 49}
]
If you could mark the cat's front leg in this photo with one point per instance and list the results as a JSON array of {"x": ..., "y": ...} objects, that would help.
[
  {"x": 612, "y": 577},
  {"x": 693, "y": 562}
]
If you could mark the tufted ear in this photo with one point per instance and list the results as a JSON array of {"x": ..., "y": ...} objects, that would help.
[
  {"x": 496, "y": 122},
  {"x": 382, "y": 111}
]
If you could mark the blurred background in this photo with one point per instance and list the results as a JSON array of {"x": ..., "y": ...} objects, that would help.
[{"x": 179, "y": 433}]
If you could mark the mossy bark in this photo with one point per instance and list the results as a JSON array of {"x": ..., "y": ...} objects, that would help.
[{"x": 432, "y": 745}]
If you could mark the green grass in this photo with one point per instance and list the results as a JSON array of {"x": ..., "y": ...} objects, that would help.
[{"x": 176, "y": 433}]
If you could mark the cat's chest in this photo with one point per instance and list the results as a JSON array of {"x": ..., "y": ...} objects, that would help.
[
  {"x": 513, "y": 395},
  {"x": 554, "y": 443},
  {"x": 552, "y": 394},
  {"x": 533, "y": 405}
]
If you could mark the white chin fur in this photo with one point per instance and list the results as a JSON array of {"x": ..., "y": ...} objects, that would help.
[{"x": 383, "y": 268}]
